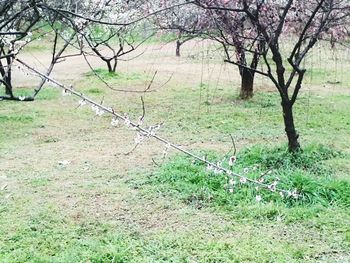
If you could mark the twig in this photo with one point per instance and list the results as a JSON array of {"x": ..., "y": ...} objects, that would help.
[
  {"x": 151, "y": 82},
  {"x": 233, "y": 147},
  {"x": 143, "y": 110},
  {"x": 155, "y": 162},
  {"x": 132, "y": 150}
]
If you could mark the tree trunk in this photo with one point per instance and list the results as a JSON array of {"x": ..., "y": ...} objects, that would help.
[
  {"x": 293, "y": 136},
  {"x": 247, "y": 84},
  {"x": 115, "y": 63},
  {"x": 8, "y": 86},
  {"x": 112, "y": 65},
  {"x": 109, "y": 66},
  {"x": 8, "y": 90},
  {"x": 178, "y": 48},
  {"x": 6, "y": 77}
]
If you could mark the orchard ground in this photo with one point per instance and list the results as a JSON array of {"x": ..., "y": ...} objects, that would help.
[{"x": 70, "y": 192}]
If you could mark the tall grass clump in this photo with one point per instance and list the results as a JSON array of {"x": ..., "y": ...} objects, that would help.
[{"x": 306, "y": 172}]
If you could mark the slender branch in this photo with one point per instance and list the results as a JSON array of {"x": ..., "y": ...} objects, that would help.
[
  {"x": 150, "y": 133},
  {"x": 247, "y": 67}
]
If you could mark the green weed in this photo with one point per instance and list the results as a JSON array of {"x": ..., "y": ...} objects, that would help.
[
  {"x": 95, "y": 91},
  {"x": 44, "y": 94},
  {"x": 304, "y": 172},
  {"x": 16, "y": 119},
  {"x": 106, "y": 75}
]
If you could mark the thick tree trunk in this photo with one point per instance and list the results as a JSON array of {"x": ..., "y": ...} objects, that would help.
[
  {"x": 247, "y": 84},
  {"x": 109, "y": 66},
  {"x": 293, "y": 136},
  {"x": 8, "y": 87},
  {"x": 178, "y": 48},
  {"x": 6, "y": 77},
  {"x": 8, "y": 91}
]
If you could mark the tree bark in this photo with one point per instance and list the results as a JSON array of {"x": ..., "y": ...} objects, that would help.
[
  {"x": 115, "y": 63},
  {"x": 112, "y": 65},
  {"x": 293, "y": 136},
  {"x": 178, "y": 48},
  {"x": 109, "y": 66},
  {"x": 8, "y": 89},
  {"x": 247, "y": 84}
]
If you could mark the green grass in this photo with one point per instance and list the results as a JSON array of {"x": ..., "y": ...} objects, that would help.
[
  {"x": 116, "y": 76},
  {"x": 92, "y": 210},
  {"x": 49, "y": 237},
  {"x": 15, "y": 119},
  {"x": 94, "y": 91},
  {"x": 271, "y": 231},
  {"x": 18, "y": 119},
  {"x": 44, "y": 94},
  {"x": 304, "y": 172}
]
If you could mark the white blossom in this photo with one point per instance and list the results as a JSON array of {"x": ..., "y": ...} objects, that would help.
[
  {"x": 272, "y": 186},
  {"x": 261, "y": 180},
  {"x": 210, "y": 167},
  {"x": 139, "y": 138},
  {"x": 140, "y": 121},
  {"x": 82, "y": 102},
  {"x": 258, "y": 198},
  {"x": 127, "y": 121},
  {"x": 115, "y": 122},
  {"x": 64, "y": 162},
  {"x": 232, "y": 182},
  {"x": 232, "y": 160},
  {"x": 97, "y": 110},
  {"x": 218, "y": 171},
  {"x": 243, "y": 180},
  {"x": 295, "y": 194}
]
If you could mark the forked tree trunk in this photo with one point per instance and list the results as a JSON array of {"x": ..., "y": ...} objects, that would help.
[
  {"x": 112, "y": 67},
  {"x": 293, "y": 136},
  {"x": 247, "y": 84}
]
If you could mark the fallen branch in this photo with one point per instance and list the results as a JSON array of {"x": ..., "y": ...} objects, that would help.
[{"x": 150, "y": 133}]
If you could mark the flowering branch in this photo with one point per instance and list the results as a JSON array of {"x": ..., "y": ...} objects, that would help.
[{"x": 143, "y": 133}]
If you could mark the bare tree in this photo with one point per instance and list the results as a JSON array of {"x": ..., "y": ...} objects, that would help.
[
  {"x": 310, "y": 21},
  {"x": 241, "y": 43},
  {"x": 110, "y": 40},
  {"x": 17, "y": 20},
  {"x": 184, "y": 21},
  {"x": 110, "y": 44},
  {"x": 105, "y": 23},
  {"x": 25, "y": 22}
]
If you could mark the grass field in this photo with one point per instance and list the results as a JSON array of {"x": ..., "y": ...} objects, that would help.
[{"x": 69, "y": 192}]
